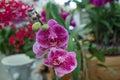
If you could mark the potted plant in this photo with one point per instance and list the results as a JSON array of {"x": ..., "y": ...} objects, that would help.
[{"x": 104, "y": 18}]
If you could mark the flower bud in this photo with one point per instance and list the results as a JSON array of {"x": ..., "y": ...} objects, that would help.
[
  {"x": 6, "y": 1},
  {"x": 45, "y": 27},
  {"x": 36, "y": 26}
]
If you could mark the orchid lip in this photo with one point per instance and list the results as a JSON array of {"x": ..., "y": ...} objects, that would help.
[
  {"x": 53, "y": 42},
  {"x": 56, "y": 63}
]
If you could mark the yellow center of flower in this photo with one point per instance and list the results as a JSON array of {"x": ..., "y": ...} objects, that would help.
[
  {"x": 53, "y": 42},
  {"x": 56, "y": 63}
]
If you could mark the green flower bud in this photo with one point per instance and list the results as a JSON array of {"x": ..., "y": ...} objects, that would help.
[
  {"x": 6, "y": 1},
  {"x": 45, "y": 27},
  {"x": 36, "y": 26}
]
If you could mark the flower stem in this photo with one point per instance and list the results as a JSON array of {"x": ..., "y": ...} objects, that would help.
[
  {"x": 85, "y": 68},
  {"x": 56, "y": 77}
]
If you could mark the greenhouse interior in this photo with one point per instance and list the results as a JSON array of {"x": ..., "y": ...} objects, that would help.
[{"x": 59, "y": 39}]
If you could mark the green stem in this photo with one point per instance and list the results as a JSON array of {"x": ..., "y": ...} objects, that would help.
[{"x": 56, "y": 77}]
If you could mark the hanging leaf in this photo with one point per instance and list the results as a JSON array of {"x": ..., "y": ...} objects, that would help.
[
  {"x": 67, "y": 22},
  {"x": 48, "y": 14},
  {"x": 98, "y": 54},
  {"x": 55, "y": 14}
]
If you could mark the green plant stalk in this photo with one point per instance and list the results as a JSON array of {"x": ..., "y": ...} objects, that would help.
[
  {"x": 76, "y": 72},
  {"x": 56, "y": 77},
  {"x": 85, "y": 68}
]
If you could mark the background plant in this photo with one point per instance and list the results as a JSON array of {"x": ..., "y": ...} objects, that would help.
[
  {"x": 105, "y": 27},
  {"x": 16, "y": 35},
  {"x": 17, "y": 40}
]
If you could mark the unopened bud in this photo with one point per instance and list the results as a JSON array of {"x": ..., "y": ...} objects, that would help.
[
  {"x": 6, "y": 1},
  {"x": 45, "y": 27},
  {"x": 36, "y": 26}
]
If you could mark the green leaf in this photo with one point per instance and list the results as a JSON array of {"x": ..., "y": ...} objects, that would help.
[
  {"x": 117, "y": 24},
  {"x": 76, "y": 32},
  {"x": 48, "y": 13},
  {"x": 28, "y": 46},
  {"x": 98, "y": 54},
  {"x": 67, "y": 22},
  {"x": 55, "y": 14},
  {"x": 9, "y": 32},
  {"x": 105, "y": 39},
  {"x": 102, "y": 65},
  {"x": 3, "y": 32},
  {"x": 107, "y": 25},
  {"x": 30, "y": 54},
  {"x": 85, "y": 2},
  {"x": 70, "y": 44},
  {"x": 93, "y": 16},
  {"x": 2, "y": 48},
  {"x": 111, "y": 70},
  {"x": 76, "y": 72},
  {"x": 110, "y": 50}
]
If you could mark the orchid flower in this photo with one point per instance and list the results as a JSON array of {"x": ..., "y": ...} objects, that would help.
[
  {"x": 62, "y": 61},
  {"x": 56, "y": 36},
  {"x": 99, "y": 3}
]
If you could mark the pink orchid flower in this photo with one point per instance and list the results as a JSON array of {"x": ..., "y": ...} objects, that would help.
[
  {"x": 99, "y": 3},
  {"x": 63, "y": 62},
  {"x": 55, "y": 36},
  {"x": 38, "y": 50}
]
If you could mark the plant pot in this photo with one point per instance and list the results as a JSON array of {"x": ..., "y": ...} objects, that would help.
[
  {"x": 99, "y": 73},
  {"x": 19, "y": 66}
]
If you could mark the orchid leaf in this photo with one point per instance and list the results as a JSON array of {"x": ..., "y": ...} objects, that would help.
[
  {"x": 107, "y": 25},
  {"x": 98, "y": 54},
  {"x": 48, "y": 14},
  {"x": 67, "y": 22},
  {"x": 55, "y": 14},
  {"x": 76, "y": 72},
  {"x": 70, "y": 43}
]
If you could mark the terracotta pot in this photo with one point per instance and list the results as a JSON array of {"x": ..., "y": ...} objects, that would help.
[{"x": 99, "y": 73}]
